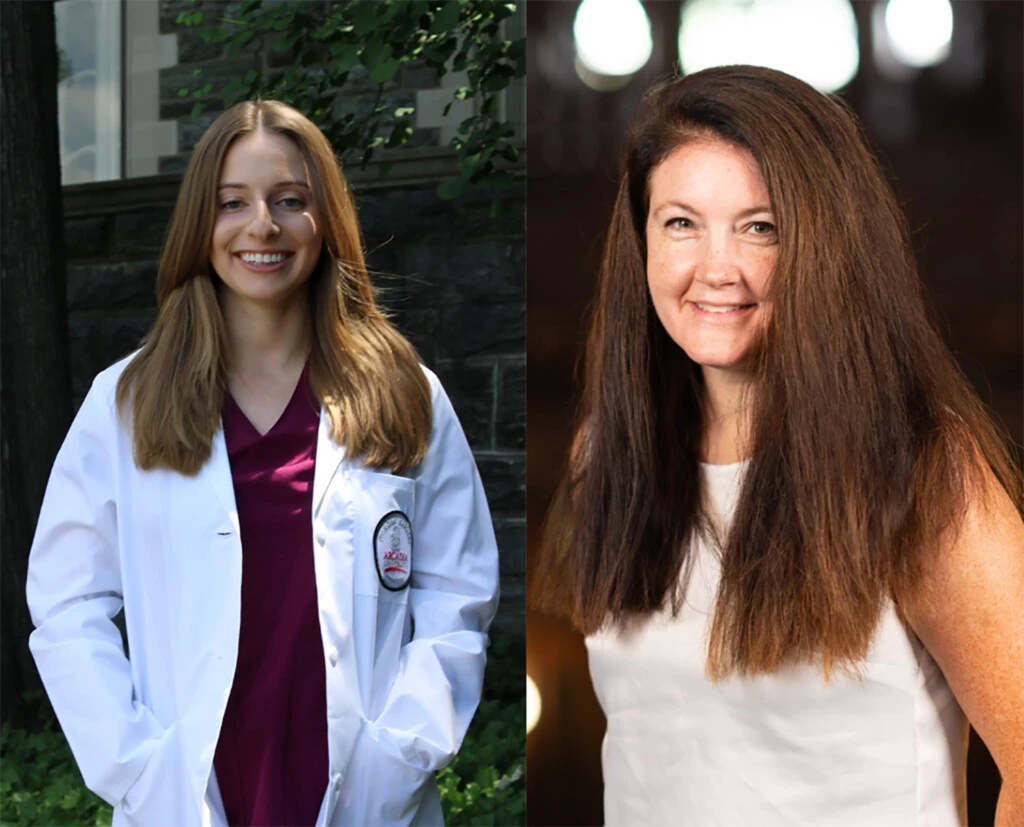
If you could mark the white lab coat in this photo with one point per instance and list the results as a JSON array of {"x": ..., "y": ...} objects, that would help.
[{"x": 165, "y": 546}]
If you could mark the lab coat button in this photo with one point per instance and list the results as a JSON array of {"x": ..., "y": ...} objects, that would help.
[
  {"x": 337, "y": 782},
  {"x": 332, "y": 656}
]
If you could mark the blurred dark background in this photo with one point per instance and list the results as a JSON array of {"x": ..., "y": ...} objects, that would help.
[{"x": 950, "y": 138}]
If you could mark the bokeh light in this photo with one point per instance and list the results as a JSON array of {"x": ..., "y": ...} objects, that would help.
[{"x": 815, "y": 40}]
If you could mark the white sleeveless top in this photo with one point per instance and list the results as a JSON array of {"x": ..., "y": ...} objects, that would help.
[{"x": 783, "y": 749}]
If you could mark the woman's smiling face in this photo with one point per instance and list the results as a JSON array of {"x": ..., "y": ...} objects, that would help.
[
  {"x": 266, "y": 237},
  {"x": 711, "y": 250}
]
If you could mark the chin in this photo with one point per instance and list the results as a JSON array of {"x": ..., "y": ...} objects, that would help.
[{"x": 740, "y": 362}]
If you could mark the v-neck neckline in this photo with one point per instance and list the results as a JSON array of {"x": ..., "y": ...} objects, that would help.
[{"x": 255, "y": 432}]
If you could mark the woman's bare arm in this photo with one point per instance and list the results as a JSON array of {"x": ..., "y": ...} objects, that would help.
[{"x": 968, "y": 610}]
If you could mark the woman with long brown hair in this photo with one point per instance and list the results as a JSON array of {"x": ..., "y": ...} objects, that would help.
[
  {"x": 282, "y": 501},
  {"x": 788, "y": 526}
]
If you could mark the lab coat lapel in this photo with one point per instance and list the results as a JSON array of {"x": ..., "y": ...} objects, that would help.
[
  {"x": 215, "y": 612},
  {"x": 329, "y": 456},
  {"x": 217, "y": 474}
]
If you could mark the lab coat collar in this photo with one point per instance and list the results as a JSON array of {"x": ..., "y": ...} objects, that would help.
[
  {"x": 329, "y": 456},
  {"x": 217, "y": 473}
]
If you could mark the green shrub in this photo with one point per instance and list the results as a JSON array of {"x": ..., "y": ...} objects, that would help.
[
  {"x": 39, "y": 780},
  {"x": 484, "y": 785}
]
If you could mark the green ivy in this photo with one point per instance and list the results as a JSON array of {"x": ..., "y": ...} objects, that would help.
[
  {"x": 484, "y": 785},
  {"x": 328, "y": 40},
  {"x": 39, "y": 780}
]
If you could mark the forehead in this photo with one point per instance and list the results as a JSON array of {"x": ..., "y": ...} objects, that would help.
[
  {"x": 261, "y": 156},
  {"x": 711, "y": 171}
]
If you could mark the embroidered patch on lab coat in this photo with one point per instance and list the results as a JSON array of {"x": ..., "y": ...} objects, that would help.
[{"x": 392, "y": 548}]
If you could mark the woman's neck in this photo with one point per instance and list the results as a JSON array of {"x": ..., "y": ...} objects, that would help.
[
  {"x": 727, "y": 401},
  {"x": 267, "y": 340}
]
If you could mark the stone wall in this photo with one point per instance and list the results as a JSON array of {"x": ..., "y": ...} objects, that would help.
[{"x": 452, "y": 277}]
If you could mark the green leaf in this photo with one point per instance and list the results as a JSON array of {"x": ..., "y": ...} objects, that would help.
[
  {"x": 478, "y": 158},
  {"x": 389, "y": 11},
  {"x": 234, "y": 90},
  {"x": 447, "y": 18},
  {"x": 437, "y": 55},
  {"x": 399, "y": 134},
  {"x": 496, "y": 81},
  {"x": 197, "y": 110},
  {"x": 344, "y": 56},
  {"x": 451, "y": 189},
  {"x": 215, "y": 35},
  {"x": 385, "y": 70},
  {"x": 364, "y": 17},
  {"x": 404, "y": 111},
  {"x": 496, "y": 180},
  {"x": 374, "y": 53}
]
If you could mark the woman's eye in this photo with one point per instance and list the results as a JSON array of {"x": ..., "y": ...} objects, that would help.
[
  {"x": 292, "y": 202},
  {"x": 231, "y": 204},
  {"x": 762, "y": 228},
  {"x": 679, "y": 223}
]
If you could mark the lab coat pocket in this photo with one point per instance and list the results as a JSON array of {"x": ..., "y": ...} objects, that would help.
[
  {"x": 381, "y": 788},
  {"x": 162, "y": 794},
  {"x": 385, "y": 546},
  {"x": 385, "y": 508}
]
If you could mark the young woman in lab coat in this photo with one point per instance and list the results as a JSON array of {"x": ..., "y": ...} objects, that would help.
[
  {"x": 789, "y": 528},
  {"x": 283, "y": 502}
]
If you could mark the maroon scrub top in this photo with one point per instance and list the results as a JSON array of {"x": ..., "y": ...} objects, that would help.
[{"x": 271, "y": 758}]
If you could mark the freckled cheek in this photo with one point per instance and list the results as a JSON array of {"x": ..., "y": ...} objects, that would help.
[
  {"x": 761, "y": 270},
  {"x": 666, "y": 275}
]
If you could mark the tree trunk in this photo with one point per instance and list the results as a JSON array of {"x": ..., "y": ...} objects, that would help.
[{"x": 35, "y": 382}]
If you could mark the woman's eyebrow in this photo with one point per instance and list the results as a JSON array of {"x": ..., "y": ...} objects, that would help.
[
  {"x": 752, "y": 211},
  {"x": 681, "y": 205},
  {"x": 288, "y": 183},
  {"x": 677, "y": 205}
]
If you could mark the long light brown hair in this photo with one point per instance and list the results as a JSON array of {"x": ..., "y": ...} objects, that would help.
[
  {"x": 362, "y": 371},
  {"x": 867, "y": 439}
]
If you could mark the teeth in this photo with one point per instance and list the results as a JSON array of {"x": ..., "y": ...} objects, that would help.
[
  {"x": 263, "y": 258},
  {"x": 720, "y": 308}
]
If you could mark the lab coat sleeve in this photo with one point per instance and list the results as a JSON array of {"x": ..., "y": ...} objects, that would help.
[
  {"x": 453, "y": 597},
  {"x": 74, "y": 592}
]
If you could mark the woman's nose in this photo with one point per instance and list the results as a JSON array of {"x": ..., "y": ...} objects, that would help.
[
  {"x": 719, "y": 263},
  {"x": 263, "y": 224}
]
